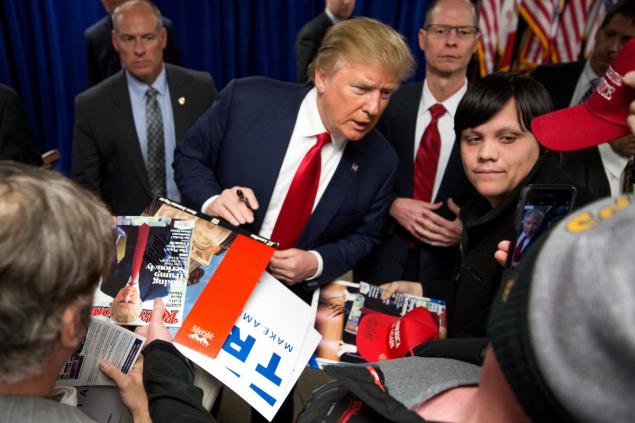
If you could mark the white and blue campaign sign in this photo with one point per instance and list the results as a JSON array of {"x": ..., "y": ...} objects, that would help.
[{"x": 267, "y": 349}]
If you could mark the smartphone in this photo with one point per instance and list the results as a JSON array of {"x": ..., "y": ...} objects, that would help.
[{"x": 539, "y": 208}]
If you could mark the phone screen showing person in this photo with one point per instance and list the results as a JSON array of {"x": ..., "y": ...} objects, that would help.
[{"x": 539, "y": 208}]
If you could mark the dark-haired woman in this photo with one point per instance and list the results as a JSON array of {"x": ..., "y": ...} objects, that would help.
[{"x": 500, "y": 155}]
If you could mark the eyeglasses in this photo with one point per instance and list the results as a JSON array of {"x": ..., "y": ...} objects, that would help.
[{"x": 442, "y": 31}]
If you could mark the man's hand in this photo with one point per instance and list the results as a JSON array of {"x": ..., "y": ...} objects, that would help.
[
  {"x": 421, "y": 221},
  {"x": 155, "y": 329},
  {"x": 293, "y": 265},
  {"x": 438, "y": 231},
  {"x": 501, "y": 254},
  {"x": 629, "y": 79},
  {"x": 401, "y": 287},
  {"x": 133, "y": 394},
  {"x": 233, "y": 206}
]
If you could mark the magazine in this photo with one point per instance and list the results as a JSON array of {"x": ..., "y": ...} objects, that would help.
[
  {"x": 225, "y": 264},
  {"x": 342, "y": 305},
  {"x": 269, "y": 345},
  {"x": 152, "y": 260},
  {"x": 103, "y": 341}
]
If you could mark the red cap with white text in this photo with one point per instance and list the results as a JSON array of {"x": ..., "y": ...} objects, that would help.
[{"x": 600, "y": 119}]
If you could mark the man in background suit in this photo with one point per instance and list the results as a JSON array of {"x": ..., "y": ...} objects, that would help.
[
  {"x": 262, "y": 136},
  {"x": 16, "y": 140},
  {"x": 112, "y": 146},
  {"x": 571, "y": 83},
  {"x": 312, "y": 33},
  {"x": 598, "y": 168},
  {"x": 420, "y": 236},
  {"x": 102, "y": 58}
]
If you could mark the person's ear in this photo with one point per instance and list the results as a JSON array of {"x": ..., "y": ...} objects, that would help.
[
  {"x": 320, "y": 80},
  {"x": 113, "y": 36},
  {"x": 421, "y": 36},
  {"x": 72, "y": 331}
]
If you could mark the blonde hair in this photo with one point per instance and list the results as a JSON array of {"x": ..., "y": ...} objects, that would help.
[{"x": 366, "y": 41}]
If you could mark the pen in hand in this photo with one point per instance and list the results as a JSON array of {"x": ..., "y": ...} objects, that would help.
[{"x": 241, "y": 197}]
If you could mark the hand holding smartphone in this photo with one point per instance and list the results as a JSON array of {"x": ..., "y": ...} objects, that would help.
[{"x": 540, "y": 206}]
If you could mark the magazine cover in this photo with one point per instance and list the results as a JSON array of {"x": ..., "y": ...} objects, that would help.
[
  {"x": 225, "y": 265},
  {"x": 343, "y": 306},
  {"x": 151, "y": 260}
]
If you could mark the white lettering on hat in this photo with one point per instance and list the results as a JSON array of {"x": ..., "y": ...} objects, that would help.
[
  {"x": 614, "y": 77},
  {"x": 605, "y": 89},
  {"x": 394, "y": 340}
]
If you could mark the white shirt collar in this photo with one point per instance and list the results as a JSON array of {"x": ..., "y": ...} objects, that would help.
[
  {"x": 331, "y": 16},
  {"x": 309, "y": 123},
  {"x": 614, "y": 164},
  {"x": 139, "y": 88},
  {"x": 450, "y": 104}
]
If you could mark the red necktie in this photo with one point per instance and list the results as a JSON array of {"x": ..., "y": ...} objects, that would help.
[
  {"x": 427, "y": 158},
  {"x": 298, "y": 203},
  {"x": 139, "y": 249},
  {"x": 518, "y": 250}
]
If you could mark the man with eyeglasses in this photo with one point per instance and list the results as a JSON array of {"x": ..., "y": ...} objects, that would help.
[
  {"x": 127, "y": 127},
  {"x": 420, "y": 238}
]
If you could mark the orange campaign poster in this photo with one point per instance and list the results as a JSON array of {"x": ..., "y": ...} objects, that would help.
[
  {"x": 211, "y": 318},
  {"x": 226, "y": 262}
]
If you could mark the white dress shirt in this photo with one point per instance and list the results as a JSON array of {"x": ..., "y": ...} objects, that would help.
[
  {"x": 614, "y": 165},
  {"x": 584, "y": 82},
  {"x": 445, "y": 125}
]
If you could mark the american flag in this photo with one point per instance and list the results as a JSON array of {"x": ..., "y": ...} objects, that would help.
[
  {"x": 568, "y": 41},
  {"x": 499, "y": 21},
  {"x": 542, "y": 19}
]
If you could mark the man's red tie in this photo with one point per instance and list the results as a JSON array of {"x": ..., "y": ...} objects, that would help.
[
  {"x": 298, "y": 203},
  {"x": 139, "y": 249},
  {"x": 518, "y": 250},
  {"x": 427, "y": 158}
]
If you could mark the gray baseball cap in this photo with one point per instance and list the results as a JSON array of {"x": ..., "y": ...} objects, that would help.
[{"x": 563, "y": 325}]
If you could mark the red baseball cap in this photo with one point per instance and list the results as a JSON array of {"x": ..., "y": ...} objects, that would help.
[
  {"x": 600, "y": 119},
  {"x": 394, "y": 337}
]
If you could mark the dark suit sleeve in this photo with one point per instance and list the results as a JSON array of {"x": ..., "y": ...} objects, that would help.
[
  {"x": 171, "y": 54},
  {"x": 86, "y": 165},
  {"x": 199, "y": 154},
  {"x": 169, "y": 383},
  {"x": 308, "y": 42},
  {"x": 306, "y": 46},
  {"x": 16, "y": 140},
  {"x": 92, "y": 63},
  {"x": 345, "y": 253}
]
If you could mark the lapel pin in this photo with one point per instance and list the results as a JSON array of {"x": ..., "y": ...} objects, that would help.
[
  {"x": 354, "y": 167},
  {"x": 181, "y": 100}
]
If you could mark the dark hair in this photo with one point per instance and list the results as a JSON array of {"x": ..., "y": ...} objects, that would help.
[
  {"x": 625, "y": 7},
  {"x": 434, "y": 3},
  {"x": 488, "y": 95}
]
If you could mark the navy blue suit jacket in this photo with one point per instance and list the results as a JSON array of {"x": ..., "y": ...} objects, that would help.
[{"x": 242, "y": 139}]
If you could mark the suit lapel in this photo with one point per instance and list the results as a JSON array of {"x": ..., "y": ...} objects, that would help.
[
  {"x": 271, "y": 147},
  {"x": 403, "y": 138},
  {"x": 453, "y": 174},
  {"x": 126, "y": 134},
  {"x": 596, "y": 178},
  {"x": 334, "y": 195},
  {"x": 178, "y": 98}
]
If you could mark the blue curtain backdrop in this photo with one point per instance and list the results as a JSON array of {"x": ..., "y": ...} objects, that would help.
[{"x": 42, "y": 51}]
